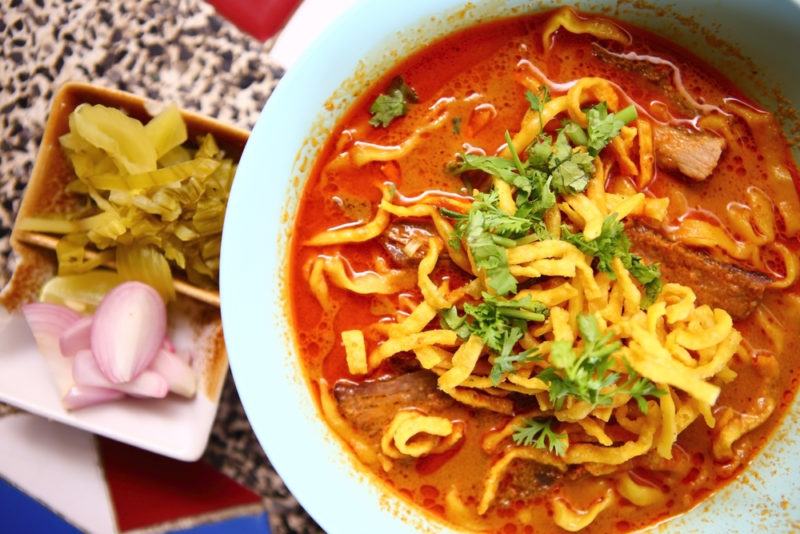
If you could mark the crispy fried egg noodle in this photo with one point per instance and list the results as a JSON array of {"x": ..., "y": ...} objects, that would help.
[{"x": 414, "y": 434}]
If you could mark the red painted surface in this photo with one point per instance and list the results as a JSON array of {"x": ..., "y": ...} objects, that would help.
[
  {"x": 260, "y": 18},
  {"x": 147, "y": 489}
]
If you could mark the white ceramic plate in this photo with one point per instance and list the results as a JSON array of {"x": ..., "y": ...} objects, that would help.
[
  {"x": 264, "y": 361},
  {"x": 173, "y": 426}
]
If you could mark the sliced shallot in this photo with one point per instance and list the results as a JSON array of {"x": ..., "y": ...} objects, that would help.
[
  {"x": 128, "y": 331},
  {"x": 48, "y": 322},
  {"x": 86, "y": 372},
  {"x": 76, "y": 337},
  {"x": 167, "y": 345},
  {"x": 82, "y": 396},
  {"x": 178, "y": 374}
]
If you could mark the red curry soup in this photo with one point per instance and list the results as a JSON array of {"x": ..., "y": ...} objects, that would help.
[{"x": 540, "y": 277}]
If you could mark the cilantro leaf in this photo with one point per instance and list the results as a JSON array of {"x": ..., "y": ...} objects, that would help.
[
  {"x": 450, "y": 319},
  {"x": 496, "y": 166},
  {"x": 605, "y": 126},
  {"x": 647, "y": 275},
  {"x": 571, "y": 169},
  {"x": 500, "y": 323},
  {"x": 386, "y": 108},
  {"x": 537, "y": 102},
  {"x": 488, "y": 255},
  {"x": 487, "y": 231},
  {"x": 534, "y": 101},
  {"x": 613, "y": 243},
  {"x": 539, "y": 433},
  {"x": 392, "y": 104},
  {"x": 496, "y": 220},
  {"x": 539, "y": 153},
  {"x": 641, "y": 388},
  {"x": 535, "y": 204},
  {"x": 507, "y": 364},
  {"x": 561, "y": 151},
  {"x": 454, "y": 240},
  {"x": 587, "y": 376},
  {"x": 573, "y": 175}
]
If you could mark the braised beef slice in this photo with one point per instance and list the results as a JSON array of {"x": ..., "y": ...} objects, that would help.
[
  {"x": 658, "y": 75},
  {"x": 406, "y": 243},
  {"x": 370, "y": 406},
  {"x": 524, "y": 479},
  {"x": 718, "y": 284},
  {"x": 693, "y": 154}
]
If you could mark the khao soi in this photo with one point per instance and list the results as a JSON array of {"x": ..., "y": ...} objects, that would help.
[{"x": 543, "y": 277}]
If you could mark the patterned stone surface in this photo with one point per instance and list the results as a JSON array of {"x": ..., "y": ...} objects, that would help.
[{"x": 169, "y": 50}]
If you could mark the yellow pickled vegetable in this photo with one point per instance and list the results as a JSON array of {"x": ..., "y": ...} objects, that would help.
[
  {"x": 146, "y": 264},
  {"x": 179, "y": 154},
  {"x": 166, "y": 130},
  {"x": 73, "y": 257},
  {"x": 123, "y": 138},
  {"x": 199, "y": 168},
  {"x": 154, "y": 203},
  {"x": 81, "y": 292}
]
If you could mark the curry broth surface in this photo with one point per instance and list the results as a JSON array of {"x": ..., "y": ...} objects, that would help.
[{"x": 477, "y": 66}]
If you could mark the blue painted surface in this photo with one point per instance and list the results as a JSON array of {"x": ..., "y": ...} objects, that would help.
[
  {"x": 251, "y": 524},
  {"x": 21, "y": 513}
]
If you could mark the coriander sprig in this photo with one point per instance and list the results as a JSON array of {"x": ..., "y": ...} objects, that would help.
[
  {"x": 587, "y": 376},
  {"x": 393, "y": 103},
  {"x": 540, "y": 434},
  {"x": 488, "y": 231},
  {"x": 500, "y": 323},
  {"x": 613, "y": 243}
]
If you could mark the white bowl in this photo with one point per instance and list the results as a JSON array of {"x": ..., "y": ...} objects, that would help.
[{"x": 353, "y": 52}]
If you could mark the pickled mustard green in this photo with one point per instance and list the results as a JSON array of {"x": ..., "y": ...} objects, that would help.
[{"x": 155, "y": 202}]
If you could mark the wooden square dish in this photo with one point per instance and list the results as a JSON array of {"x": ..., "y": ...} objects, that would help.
[{"x": 172, "y": 426}]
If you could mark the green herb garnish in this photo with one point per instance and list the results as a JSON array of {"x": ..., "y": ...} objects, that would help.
[
  {"x": 500, "y": 323},
  {"x": 392, "y": 104},
  {"x": 587, "y": 376},
  {"x": 503, "y": 364},
  {"x": 550, "y": 166},
  {"x": 604, "y": 126},
  {"x": 613, "y": 243},
  {"x": 488, "y": 231},
  {"x": 540, "y": 434}
]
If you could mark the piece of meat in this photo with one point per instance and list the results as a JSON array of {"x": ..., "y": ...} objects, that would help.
[
  {"x": 524, "y": 479},
  {"x": 693, "y": 154},
  {"x": 370, "y": 406},
  {"x": 406, "y": 243},
  {"x": 720, "y": 285},
  {"x": 658, "y": 74}
]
